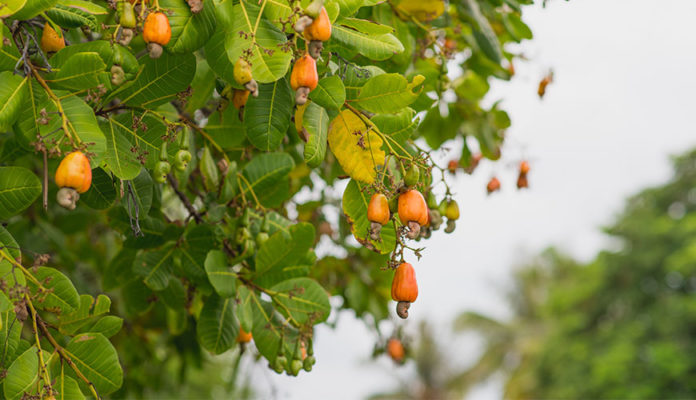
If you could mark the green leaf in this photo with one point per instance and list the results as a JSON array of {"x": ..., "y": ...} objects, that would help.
[
  {"x": 357, "y": 149},
  {"x": 225, "y": 128},
  {"x": 19, "y": 187},
  {"x": 365, "y": 26},
  {"x": 271, "y": 334},
  {"x": 145, "y": 141},
  {"x": 202, "y": 87},
  {"x": 108, "y": 52},
  {"x": 9, "y": 7},
  {"x": 155, "y": 267},
  {"x": 13, "y": 91},
  {"x": 355, "y": 78},
  {"x": 189, "y": 31},
  {"x": 266, "y": 175},
  {"x": 32, "y": 8},
  {"x": 389, "y": 93},
  {"x": 102, "y": 193},
  {"x": 86, "y": 6},
  {"x": 68, "y": 388},
  {"x": 375, "y": 47},
  {"x": 81, "y": 71},
  {"x": 11, "y": 248},
  {"x": 209, "y": 171},
  {"x": 269, "y": 59},
  {"x": 355, "y": 202},
  {"x": 329, "y": 93},
  {"x": 350, "y": 7},
  {"x": 220, "y": 274},
  {"x": 71, "y": 17},
  {"x": 137, "y": 297},
  {"x": 85, "y": 314},
  {"x": 57, "y": 291},
  {"x": 315, "y": 121},
  {"x": 199, "y": 241},
  {"x": 96, "y": 358},
  {"x": 267, "y": 117},
  {"x": 399, "y": 126},
  {"x": 84, "y": 125},
  {"x": 108, "y": 325},
  {"x": 245, "y": 307},
  {"x": 217, "y": 328},
  {"x": 174, "y": 295},
  {"x": 484, "y": 35},
  {"x": 22, "y": 375},
  {"x": 10, "y": 332},
  {"x": 118, "y": 271},
  {"x": 142, "y": 190},
  {"x": 9, "y": 55},
  {"x": 303, "y": 300},
  {"x": 280, "y": 250},
  {"x": 159, "y": 80}
]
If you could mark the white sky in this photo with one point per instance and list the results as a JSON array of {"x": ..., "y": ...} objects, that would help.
[{"x": 621, "y": 103}]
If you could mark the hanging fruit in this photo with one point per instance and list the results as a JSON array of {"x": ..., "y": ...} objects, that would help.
[
  {"x": 118, "y": 76},
  {"x": 127, "y": 20},
  {"x": 162, "y": 168},
  {"x": 73, "y": 176},
  {"x": 51, "y": 41},
  {"x": 318, "y": 32},
  {"x": 413, "y": 212},
  {"x": 239, "y": 98},
  {"x": 522, "y": 181},
  {"x": 412, "y": 176},
  {"x": 243, "y": 336},
  {"x": 524, "y": 167},
  {"x": 452, "y": 210},
  {"x": 493, "y": 185},
  {"x": 435, "y": 219},
  {"x": 475, "y": 159},
  {"x": 452, "y": 166},
  {"x": 404, "y": 288},
  {"x": 378, "y": 214},
  {"x": 195, "y": 5},
  {"x": 452, "y": 213},
  {"x": 541, "y": 91},
  {"x": 242, "y": 74},
  {"x": 396, "y": 351},
  {"x": 156, "y": 33},
  {"x": 304, "y": 78},
  {"x": 309, "y": 361}
]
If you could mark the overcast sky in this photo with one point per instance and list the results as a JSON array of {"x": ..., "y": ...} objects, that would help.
[{"x": 621, "y": 104}]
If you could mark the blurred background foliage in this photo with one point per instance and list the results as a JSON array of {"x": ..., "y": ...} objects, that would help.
[{"x": 620, "y": 326}]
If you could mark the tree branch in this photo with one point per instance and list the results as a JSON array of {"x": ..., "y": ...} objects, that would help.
[{"x": 184, "y": 199}]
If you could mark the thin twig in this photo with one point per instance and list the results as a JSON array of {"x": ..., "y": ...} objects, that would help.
[
  {"x": 184, "y": 199},
  {"x": 65, "y": 356}
]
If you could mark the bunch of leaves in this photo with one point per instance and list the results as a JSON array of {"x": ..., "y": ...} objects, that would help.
[{"x": 213, "y": 251}]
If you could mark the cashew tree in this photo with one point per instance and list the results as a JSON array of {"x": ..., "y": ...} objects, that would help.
[{"x": 168, "y": 168}]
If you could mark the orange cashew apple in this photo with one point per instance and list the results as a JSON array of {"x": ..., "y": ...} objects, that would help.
[
  {"x": 318, "y": 32},
  {"x": 413, "y": 212},
  {"x": 156, "y": 33},
  {"x": 404, "y": 289},
  {"x": 73, "y": 176},
  {"x": 396, "y": 351},
  {"x": 493, "y": 185},
  {"x": 243, "y": 336},
  {"x": 51, "y": 41},
  {"x": 304, "y": 78},
  {"x": 378, "y": 214}
]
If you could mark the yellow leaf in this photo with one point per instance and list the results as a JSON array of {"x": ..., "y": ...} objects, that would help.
[
  {"x": 422, "y": 10},
  {"x": 299, "y": 113},
  {"x": 358, "y": 150}
]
